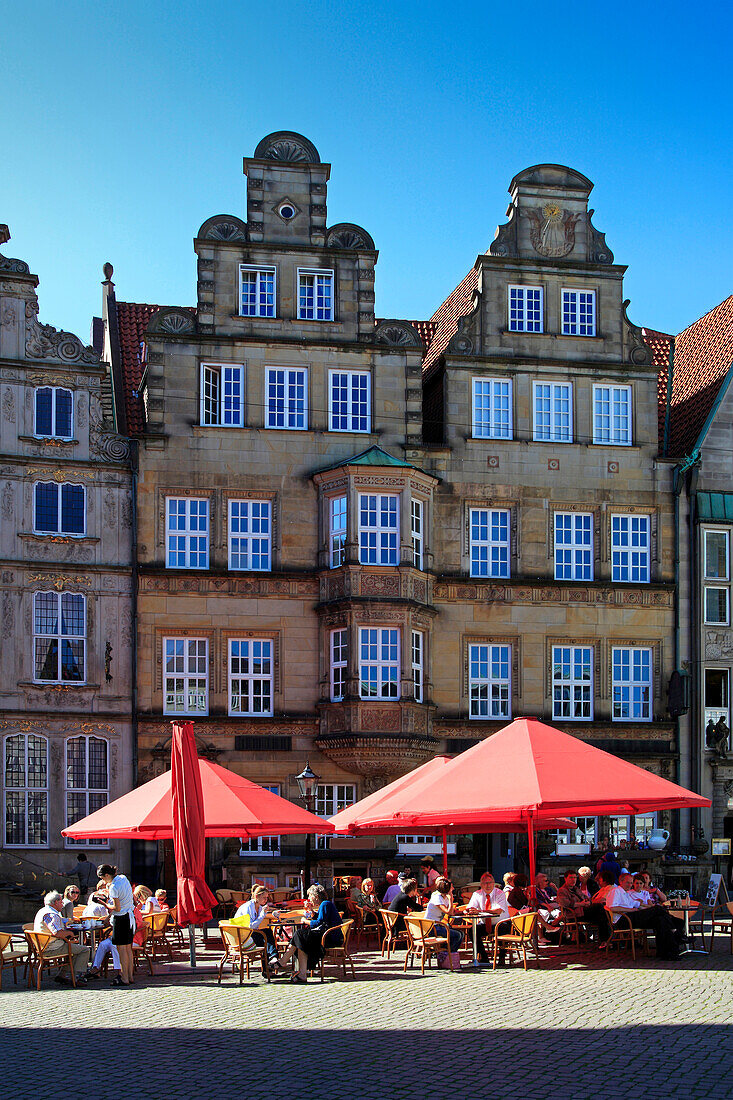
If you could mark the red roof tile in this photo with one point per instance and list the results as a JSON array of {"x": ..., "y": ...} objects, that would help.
[
  {"x": 703, "y": 355},
  {"x": 445, "y": 319},
  {"x": 132, "y": 320},
  {"x": 659, "y": 343}
]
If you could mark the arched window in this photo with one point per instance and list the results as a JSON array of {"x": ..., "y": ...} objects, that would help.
[
  {"x": 87, "y": 783},
  {"x": 26, "y": 791}
]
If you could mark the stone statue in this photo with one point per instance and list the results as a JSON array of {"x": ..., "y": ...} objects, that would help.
[{"x": 717, "y": 735}]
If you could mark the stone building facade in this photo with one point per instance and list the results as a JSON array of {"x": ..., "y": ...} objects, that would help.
[
  {"x": 67, "y": 628},
  {"x": 364, "y": 541}
]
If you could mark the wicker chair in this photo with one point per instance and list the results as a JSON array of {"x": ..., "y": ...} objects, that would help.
[
  {"x": 367, "y": 925},
  {"x": 236, "y": 939},
  {"x": 40, "y": 943},
  {"x": 422, "y": 945},
  {"x": 11, "y": 956},
  {"x": 157, "y": 938},
  {"x": 520, "y": 937},
  {"x": 392, "y": 938},
  {"x": 623, "y": 933},
  {"x": 339, "y": 951},
  {"x": 722, "y": 921},
  {"x": 173, "y": 928}
]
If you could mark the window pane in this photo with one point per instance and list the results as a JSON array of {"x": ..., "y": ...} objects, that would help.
[
  {"x": 63, "y": 413},
  {"x": 716, "y": 606},
  {"x": 46, "y": 507},
  {"x": 716, "y": 555},
  {"x": 72, "y": 509},
  {"x": 44, "y": 411}
]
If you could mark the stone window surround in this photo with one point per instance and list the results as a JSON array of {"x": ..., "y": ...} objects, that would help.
[
  {"x": 602, "y": 671},
  {"x": 514, "y": 641},
  {"x": 512, "y": 506},
  {"x": 218, "y": 500},
  {"x": 551, "y": 307},
  {"x": 367, "y": 616}
]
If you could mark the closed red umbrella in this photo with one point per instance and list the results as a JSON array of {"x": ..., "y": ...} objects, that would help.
[{"x": 193, "y": 897}]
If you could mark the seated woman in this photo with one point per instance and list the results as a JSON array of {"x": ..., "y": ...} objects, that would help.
[
  {"x": 96, "y": 907},
  {"x": 490, "y": 898},
  {"x": 509, "y": 878},
  {"x": 161, "y": 896},
  {"x": 518, "y": 898},
  {"x": 307, "y": 938},
  {"x": 405, "y": 902},
  {"x": 586, "y": 883},
  {"x": 439, "y": 909},
  {"x": 367, "y": 899},
  {"x": 257, "y": 911},
  {"x": 656, "y": 895},
  {"x": 71, "y": 898},
  {"x": 146, "y": 900}
]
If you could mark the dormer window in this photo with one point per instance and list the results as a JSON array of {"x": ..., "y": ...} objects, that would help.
[
  {"x": 315, "y": 295},
  {"x": 257, "y": 291}
]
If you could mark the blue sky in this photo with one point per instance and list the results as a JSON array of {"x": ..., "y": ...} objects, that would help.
[{"x": 124, "y": 128}]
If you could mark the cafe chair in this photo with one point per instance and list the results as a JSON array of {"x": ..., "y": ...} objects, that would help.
[
  {"x": 623, "y": 934},
  {"x": 40, "y": 942},
  {"x": 240, "y": 950},
  {"x": 517, "y": 941},
  {"x": 367, "y": 925},
  {"x": 157, "y": 939},
  {"x": 173, "y": 928},
  {"x": 11, "y": 955},
  {"x": 338, "y": 951},
  {"x": 225, "y": 901},
  {"x": 422, "y": 944},
  {"x": 78, "y": 913},
  {"x": 569, "y": 926},
  {"x": 392, "y": 938},
  {"x": 722, "y": 921}
]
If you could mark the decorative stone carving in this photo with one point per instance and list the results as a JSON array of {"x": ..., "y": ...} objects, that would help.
[
  {"x": 45, "y": 342},
  {"x": 17, "y": 267},
  {"x": 346, "y": 235},
  {"x": 460, "y": 344},
  {"x": 287, "y": 146},
  {"x": 505, "y": 238},
  {"x": 377, "y": 756},
  {"x": 598, "y": 250},
  {"x": 112, "y": 447},
  {"x": 7, "y": 501},
  {"x": 223, "y": 227},
  {"x": 397, "y": 334},
  {"x": 552, "y": 230},
  {"x": 639, "y": 352},
  {"x": 9, "y": 405},
  {"x": 8, "y": 616},
  {"x": 173, "y": 322}
]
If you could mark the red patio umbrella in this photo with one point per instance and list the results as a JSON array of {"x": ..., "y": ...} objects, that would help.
[
  {"x": 193, "y": 897},
  {"x": 529, "y": 773}
]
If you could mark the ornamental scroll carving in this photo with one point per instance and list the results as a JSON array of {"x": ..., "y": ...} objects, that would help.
[
  {"x": 505, "y": 238},
  {"x": 639, "y": 352},
  {"x": 173, "y": 322},
  {"x": 598, "y": 250},
  {"x": 45, "y": 342},
  {"x": 7, "y": 263}
]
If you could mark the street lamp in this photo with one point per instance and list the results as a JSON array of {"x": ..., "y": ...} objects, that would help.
[{"x": 307, "y": 784}]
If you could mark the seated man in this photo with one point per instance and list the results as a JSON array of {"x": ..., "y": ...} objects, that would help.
[
  {"x": 49, "y": 919},
  {"x": 489, "y": 898},
  {"x": 571, "y": 897},
  {"x": 392, "y": 889},
  {"x": 619, "y": 901},
  {"x": 403, "y": 902},
  {"x": 96, "y": 908}
]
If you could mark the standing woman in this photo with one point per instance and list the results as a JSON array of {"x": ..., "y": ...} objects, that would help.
[{"x": 121, "y": 905}]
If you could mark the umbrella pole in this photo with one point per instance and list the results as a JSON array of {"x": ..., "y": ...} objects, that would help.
[
  {"x": 532, "y": 865},
  {"x": 192, "y": 944},
  {"x": 445, "y": 853}
]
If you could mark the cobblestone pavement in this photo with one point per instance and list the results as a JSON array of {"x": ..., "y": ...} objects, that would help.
[{"x": 581, "y": 1024}]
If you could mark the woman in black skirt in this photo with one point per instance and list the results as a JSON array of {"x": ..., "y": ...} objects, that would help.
[{"x": 307, "y": 938}]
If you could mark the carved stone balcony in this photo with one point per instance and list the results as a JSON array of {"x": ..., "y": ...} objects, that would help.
[
  {"x": 360, "y": 582},
  {"x": 378, "y": 740}
]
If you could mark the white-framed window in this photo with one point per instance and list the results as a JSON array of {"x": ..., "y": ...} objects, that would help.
[
  {"x": 330, "y": 799},
  {"x": 222, "y": 395},
  {"x": 185, "y": 676},
  {"x": 349, "y": 405},
  {"x": 573, "y": 546},
  {"x": 489, "y": 542},
  {"x": 572, "y": 682},
  {"x": 262, "y": 845},
  {"x": 54, "y": 413},
  {"x": 716, "y": 555},
  {"x": 420, "y": 845},
  {"x": 257, "y": 291},
  {"x": 26, "y": 791},
  {"x": 417, "y": 530},
  {"x": 630, "y": 548},
  {"x": 251, "y": 676},
  {"x": 87, "y": 783},
  {"x": 379, "y": 529},
  {"x": 59, "y": 509},
  {"x": 339, "y": 652},
  {"x": 379, "y": 662},
  {"x": 287, "y": 398},
  {"x": 631, "y": 684},
  {"x": 337, "y": 513},
  {"x": 250, "y": 534},
  {"x": 489, "y": 681},
  {"x": 578, "y": 312},
  {"x": 187, "y": 532},
  {"x": 418, "y": 665},
  {"x": 612, "y": 415},
  {"x": 525, "y": 308},
  {"x": 492, "y": 408},
  {"x": 717, "y": 606},
  {"x": 315, "y": 295},
  {"x": 644, "y": 825},
  {"x": 584, "y": 834},
  {"x": 59, "y": 637},
  {"x": 553, "y": 412},
  {"x": 716, "y": 696},
  {"x": 618, "y": 827}
]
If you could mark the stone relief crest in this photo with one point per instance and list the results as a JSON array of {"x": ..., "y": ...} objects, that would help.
[
  {"x": 174, "y": 322},
  {"x": 397, "y": 334},
  {"x": 7, "y": 263},
  {"x": 346, "y": 235},
  {"x": 226, "y": 231},
  {"x": 552, "y": 230},
  {"x": 287, "y": 146},
  {"x": 45, "y": 342}
]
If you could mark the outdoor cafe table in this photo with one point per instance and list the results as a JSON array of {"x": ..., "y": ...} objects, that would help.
[
  {"x": 285, "y": 919},
  {"x": 683, "y": 907},
  {"x": 89, "y": 932},
  {"x": 474, "y": 919}
]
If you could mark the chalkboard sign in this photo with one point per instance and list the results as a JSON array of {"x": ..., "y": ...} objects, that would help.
[{"x": 715, "y": 886}]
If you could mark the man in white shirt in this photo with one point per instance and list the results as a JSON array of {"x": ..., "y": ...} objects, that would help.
[
  {"x": 619, "y": 901},
  {"x": 489, "y": 898},
  {"x": 49, "y": 920}
]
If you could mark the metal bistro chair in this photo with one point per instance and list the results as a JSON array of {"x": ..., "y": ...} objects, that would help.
[
  {"x": 391, "y": 938},
  {"x": 338, "y": 950},
  {"x": 240, "y": 950},
  {"x": 11, "y": 956},
  {"x": 157, "y": 939},
  {"x": 516, "y": 941},
  {"x": 40, "y": 943},
  {"x": 422, "y": 945}
]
